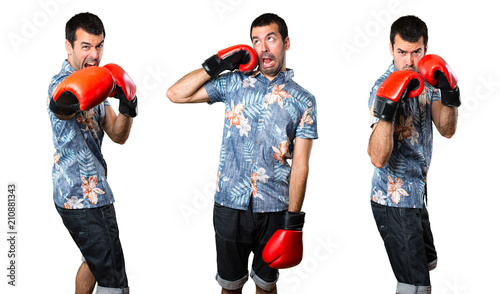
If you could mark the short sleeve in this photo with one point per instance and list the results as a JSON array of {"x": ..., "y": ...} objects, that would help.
[
  {"x": 216, "y": 88},
  {"x": 435, "y": 94},
  {"x": 308, "y": 125},
  {"x": 371, "y": 101}
]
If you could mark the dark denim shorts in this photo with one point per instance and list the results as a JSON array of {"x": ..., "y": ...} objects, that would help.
[
  {"x": 408, "y": 241},
  {"x": 95, "y": 232},
  {"x": 237, "y": 233}
]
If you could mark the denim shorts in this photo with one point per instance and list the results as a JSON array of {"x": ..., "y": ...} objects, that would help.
[
  {"x": 237, "y": 233},
  {"x": 409, "y": 243},
  {"x": 95, "y": 232}
]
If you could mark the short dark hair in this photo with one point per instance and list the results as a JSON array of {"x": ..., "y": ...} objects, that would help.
[
  {"x": 410, "y": 28},
  {"x": 267, "y": 19},
  {"x": 87, "y": 21}
]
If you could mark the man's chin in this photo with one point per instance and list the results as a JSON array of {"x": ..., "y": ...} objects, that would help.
[{"x": 270, "y": 71}]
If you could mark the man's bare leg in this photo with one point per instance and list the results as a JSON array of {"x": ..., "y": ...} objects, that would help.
[{"x": 85, "y": 281}]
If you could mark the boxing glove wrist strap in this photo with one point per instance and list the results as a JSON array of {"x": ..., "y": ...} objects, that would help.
[
  {"x": 294, "y": 220},
  {"x": 212, "y": 66},
  {"x": 128, "y": 108},
  {"x": 385, "y": 109},
  {"x": 451, "y": 97},
  {"x": 63, "y": 110}
]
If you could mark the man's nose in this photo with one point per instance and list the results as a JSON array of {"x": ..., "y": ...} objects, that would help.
[
  {"x": 94, "y": 53},
  {"x": 409, "y": 60},
  {"x": 264, "y": 47}
]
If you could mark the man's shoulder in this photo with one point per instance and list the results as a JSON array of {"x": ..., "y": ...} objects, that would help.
[
  {"x": 292, "y": 84},
  {"x": 384, "y": 76},
  {"x": 65, "y": 71}
]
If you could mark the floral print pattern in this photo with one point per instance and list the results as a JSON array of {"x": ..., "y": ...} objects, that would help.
[
  {"x": 281, "y": 153},
  {"x": 402, "y": 181},
  {"x": 79, "y": 170},
  {"x": 89, "y": 189},
  {"x": 278, "y": 94},
  {"x": 262, "y": 119},
  {"x": 394, "y": 189}
]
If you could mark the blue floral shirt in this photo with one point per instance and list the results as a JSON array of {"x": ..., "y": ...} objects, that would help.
[
  {"x": 262, "y": 120},
  {"x": 402, "y": 181},
  {"x": 79, "y": 170}
]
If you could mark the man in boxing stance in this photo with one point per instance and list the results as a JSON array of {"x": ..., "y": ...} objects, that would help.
[
  {"x": 80, "y": 114},
  {"x": 269, "y": 120},
  {"x": 400, "y": 147}
]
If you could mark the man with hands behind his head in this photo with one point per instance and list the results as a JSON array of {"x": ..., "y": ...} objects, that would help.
[{"x": 269, "y": 120}]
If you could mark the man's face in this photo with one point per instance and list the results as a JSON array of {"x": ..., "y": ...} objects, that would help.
[
  {"x": 271, "y": 49},
  {"x": 86, "y": 51},
  {"x": 406, "y": 54}
]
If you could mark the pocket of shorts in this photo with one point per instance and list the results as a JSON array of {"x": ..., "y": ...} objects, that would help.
[
  {"x": 380, "y": 216},
  {"x": 412, "y": 220},
  {"x": 110, "y": 217},
  {"x": 75, "y": 222},
  {"x": 225, "y": 222}
]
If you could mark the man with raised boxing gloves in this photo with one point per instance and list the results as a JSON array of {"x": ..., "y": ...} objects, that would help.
[
  {"x": 270, "y": 119},
  {"x": 416, "y": 91},
  {"x": 80, "y": 115}
]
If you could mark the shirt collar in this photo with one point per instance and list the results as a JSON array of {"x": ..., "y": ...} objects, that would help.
[
  {"x": 392, "y": 67},
  {"x": 67, "y": 67},
  {"x": 286, "y": 75}
]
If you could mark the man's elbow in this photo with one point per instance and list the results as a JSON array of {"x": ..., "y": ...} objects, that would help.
[
  {"x": 120, "y": 141},
  {"x": 448, "y": 134},
  {"x": 172, "y": 95},
  {"x": 118, "y": 138},
  {"x": 379, "y": 162}
]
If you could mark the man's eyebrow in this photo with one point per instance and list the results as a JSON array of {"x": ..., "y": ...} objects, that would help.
[
  {"x": 89, "y": 44},
  {"x": 270, "y": 34}
]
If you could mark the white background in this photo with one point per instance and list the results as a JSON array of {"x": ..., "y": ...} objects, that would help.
[{"x": 163, "y": 178}]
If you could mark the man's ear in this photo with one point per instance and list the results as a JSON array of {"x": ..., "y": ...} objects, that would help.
[
  {"x": 287, "y": 43},
  {"x": 391, "y": 49},
  {"x": 68, "y": 47}
]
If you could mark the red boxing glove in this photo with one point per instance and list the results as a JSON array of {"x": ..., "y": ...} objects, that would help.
[
  {"x": 124, "y": 90},
  {"x": 284, "y": 249},
  {"x": 122, "y": 80},
  {"x": 436, "y": 72},
  {"x": 242, "y": 57},
  {"x": 82, "y": 90},
  {"x": 398, "y": 85}
]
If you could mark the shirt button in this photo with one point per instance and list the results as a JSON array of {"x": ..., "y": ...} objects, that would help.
[{"x": 257, "y": 142}]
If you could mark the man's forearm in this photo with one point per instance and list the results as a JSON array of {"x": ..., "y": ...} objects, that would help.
[
  {"x": 121, "y": 129},
  {"x": 297, "y": 190},
  {"x": 448, "y": 118},
  {"x": 186, "y": 89},
  {"x": 381, "y": 143}
]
